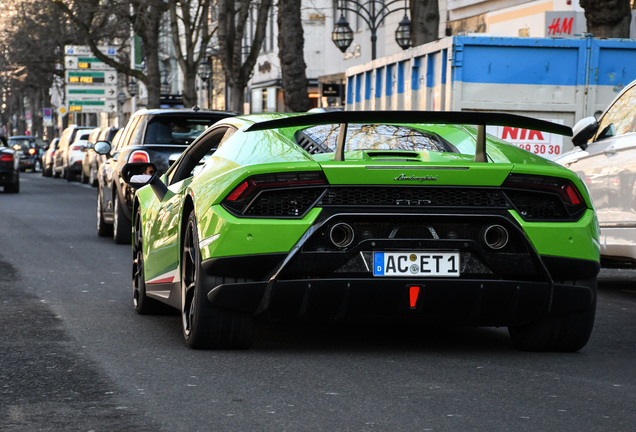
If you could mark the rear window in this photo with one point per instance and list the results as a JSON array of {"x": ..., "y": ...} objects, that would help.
[
  {"x": 376, "y": 137},
  {"x": 176, "y": 130},
  {"x": 20, "y": 144}
]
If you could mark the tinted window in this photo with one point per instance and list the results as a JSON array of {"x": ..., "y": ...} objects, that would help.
[
  {"x": 175, "y": 130},
  {"x": 129, "y": 131}
]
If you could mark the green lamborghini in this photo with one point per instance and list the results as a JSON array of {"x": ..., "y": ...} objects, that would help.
[{"x": 411, "y": 215}]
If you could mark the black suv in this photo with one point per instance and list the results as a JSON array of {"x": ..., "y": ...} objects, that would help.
[{"x": 157, "y": 136}]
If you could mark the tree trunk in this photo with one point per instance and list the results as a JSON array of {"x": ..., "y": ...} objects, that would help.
[
  {"x": 238, "y": 61},
  {"x": 290, "y": 52},
  {"x": 607, "y": 18},
  {"x": 424, "y": 21}
]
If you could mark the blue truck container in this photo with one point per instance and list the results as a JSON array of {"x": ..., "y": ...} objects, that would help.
[{"x": 562, "y": 80}]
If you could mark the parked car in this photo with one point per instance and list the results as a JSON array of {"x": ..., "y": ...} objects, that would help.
[
  {"x": 29, "y": 150},
  {"x": 413, "y": 215},
  {"x": 158, "y": 136},
  {"x": 92, "y": 160},
  {"x": 47, "y": 158},
  {"x": 61, "y": 166},
  {"x": 9, "y": 167},
  {"x": 606, "y": 161}
]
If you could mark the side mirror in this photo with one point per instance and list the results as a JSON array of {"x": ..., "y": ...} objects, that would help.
[
  {"x": 138, "y": 175},
  {"x": 102, "y": 147},
  {"x": 583, "y": 130}
]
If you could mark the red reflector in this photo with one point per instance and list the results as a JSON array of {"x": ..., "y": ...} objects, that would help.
[
  {"x": 414, "y": 292},
  {"x": 6, "y": 158},
  {"x": 573, "y": 195},
  {"x": 139, "y": 157},
  {"x": 238, "y": 191}
]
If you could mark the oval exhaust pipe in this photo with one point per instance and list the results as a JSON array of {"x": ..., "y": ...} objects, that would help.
[
  {"x": 341, "y": 235},
  {"x": 496, "y": 236}
]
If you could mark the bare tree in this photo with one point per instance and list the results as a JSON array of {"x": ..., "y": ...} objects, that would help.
[
  {"x": 93, "y": 17},
  {"x": 290, "y": 52},
  {"x": 32, "y": 34},
  {"x": 189, "y": 24},
  {"x": 607, "y": 18},
  {"x": 234, "y": 35}
]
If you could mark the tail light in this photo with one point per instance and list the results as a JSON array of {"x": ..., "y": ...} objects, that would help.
[
  {"x": 78, "y": 147},
  {"x": 544, "y": 198},
  {"x": 279, "y": 195},
  {"x": 6, "y": 157},
  {"x": 139, "y": 156}
]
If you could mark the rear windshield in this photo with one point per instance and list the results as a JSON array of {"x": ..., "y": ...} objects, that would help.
[
  {"x": 21, "y": 144},
  {"x": 376, "y": 137},
  {"x": 175, "y": 130}
]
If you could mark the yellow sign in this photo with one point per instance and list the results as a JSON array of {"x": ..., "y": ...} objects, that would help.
[{"x": 83, "y": 80}]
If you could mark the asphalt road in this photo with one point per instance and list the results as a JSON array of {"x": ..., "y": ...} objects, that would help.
[{"x": 74, "y": 356}]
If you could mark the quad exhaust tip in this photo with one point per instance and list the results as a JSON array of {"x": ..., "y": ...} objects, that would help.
[
  {"x": 341, "y": 235},
  {"x": 496, "y": 236}
]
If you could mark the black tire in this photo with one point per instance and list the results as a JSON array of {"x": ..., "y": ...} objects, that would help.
[
  {"x": 206, "y": 326},
  {"x": 70, "y": 176},
  {"x": 122, "y": 227},
  {"x": 13, "y": 187},
  {"x": 142, "y": 303},
  {"x": 564, "y": 333},
  {"x": 103, "y": 229}
]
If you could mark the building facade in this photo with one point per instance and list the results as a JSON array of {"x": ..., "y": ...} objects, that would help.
[{"x": 326, "y": 64}]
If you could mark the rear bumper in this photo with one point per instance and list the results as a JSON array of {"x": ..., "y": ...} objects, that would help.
[
  {"x": 75, "y": 166},
  {"x": 8, "y": 177},
  {"x": 462, "y": 301}
]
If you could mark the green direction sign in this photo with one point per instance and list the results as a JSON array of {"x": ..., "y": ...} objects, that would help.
[
  {"x": 91, "y": 106},
  {"x": 95, "y": 91},
  {"x": 85, "y": 63},
  {"x": 77, "y": 77}
]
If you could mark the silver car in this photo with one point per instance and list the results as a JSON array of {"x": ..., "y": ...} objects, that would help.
[{"x": 606, "y": 161}]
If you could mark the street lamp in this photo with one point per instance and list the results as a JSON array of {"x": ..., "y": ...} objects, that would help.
[
  {"x": 133, "y": 87},
  {"x": 342, "y": 34},
  {"x": 165, "y": 87},
  {"x": 204, "y": 71},
  {"x": 373, "y": 12}
]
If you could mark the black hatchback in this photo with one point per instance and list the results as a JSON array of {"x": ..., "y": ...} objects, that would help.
[
  {"x": 30, "y": 150},
  {"x": 157, "y": 136}
]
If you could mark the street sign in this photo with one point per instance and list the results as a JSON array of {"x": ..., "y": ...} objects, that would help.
[
  {"x": 85, "y": 50},
  {"x": 47, "y": 117},
  {"x": 92, "y": 106},
  {"x": 81, "y": 77},
  {"x": 85, "y": 63},
  {"x": 95, "y": 91},
  {"x": 90, "y": 84}
]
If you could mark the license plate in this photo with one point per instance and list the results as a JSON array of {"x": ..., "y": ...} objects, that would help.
[{"x": 422, "y": 264}]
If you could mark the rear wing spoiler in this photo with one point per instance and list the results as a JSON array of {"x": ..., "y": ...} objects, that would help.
[{"x": 479, "y": 119}]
